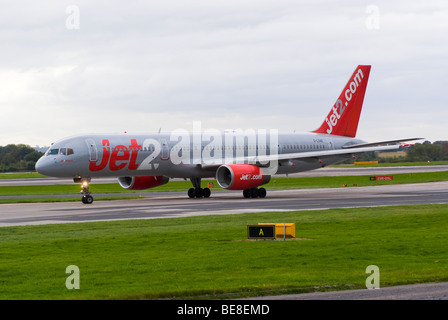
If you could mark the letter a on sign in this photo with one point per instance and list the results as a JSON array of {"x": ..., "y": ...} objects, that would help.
[{"x": 258, "y": 232}]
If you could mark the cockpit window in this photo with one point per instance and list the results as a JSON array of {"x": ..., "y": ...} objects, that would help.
[
  {"x": 53, "y": 152},
  {"x": 61, "y": 151},
  {"x": 66, "y": 151}
]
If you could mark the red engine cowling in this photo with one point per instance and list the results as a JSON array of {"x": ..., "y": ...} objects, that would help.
[
  {"x": 240, "y": 176},
  {"x": 142, "y": 183}
]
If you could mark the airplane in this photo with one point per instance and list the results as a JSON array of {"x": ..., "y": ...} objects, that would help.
[{"x": 237, "y": 159}]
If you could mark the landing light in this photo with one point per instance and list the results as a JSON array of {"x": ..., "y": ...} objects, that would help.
[{"x": 85, "y": 184}]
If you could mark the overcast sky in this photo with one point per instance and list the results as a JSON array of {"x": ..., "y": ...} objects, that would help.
[{"x": 70, "y": 67}]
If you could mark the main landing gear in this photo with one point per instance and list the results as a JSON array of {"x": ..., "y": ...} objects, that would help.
[
  {"x": 197, "y": 191},
  {"x": 255, "y": 193},
  {"x": 86, "y": 196}
]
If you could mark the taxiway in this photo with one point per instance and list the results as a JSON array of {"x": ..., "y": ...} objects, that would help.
[{"x": 176, "y": 204}]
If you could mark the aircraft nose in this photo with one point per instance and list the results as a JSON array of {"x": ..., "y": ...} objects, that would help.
[{"x": 42, "y": 166}]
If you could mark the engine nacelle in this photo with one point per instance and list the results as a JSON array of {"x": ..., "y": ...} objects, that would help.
[
  {"x": 240, "y": 176},
  {"x": 142, "y": 183}
]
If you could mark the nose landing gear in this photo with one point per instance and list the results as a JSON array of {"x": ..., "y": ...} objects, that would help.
[{"x": 86, "y": 197}]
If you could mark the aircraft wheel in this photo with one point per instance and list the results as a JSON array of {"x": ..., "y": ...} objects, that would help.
[
  {"x": 207, "y": 192},
  {"x": 191, "y": 193},
  {"x": 87, "y": 199},
  {"x": 199, "y": 192},
  {"x": 262, "y": 193},
  {"x": 254, "y": 193},
  {"x": 246, "y": 193}
]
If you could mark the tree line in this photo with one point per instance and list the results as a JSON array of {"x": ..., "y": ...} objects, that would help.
[
  {"x": 21, "y": 157},
  {"x": 18, "y": 157},
  {"x": 419, "y": 152}
]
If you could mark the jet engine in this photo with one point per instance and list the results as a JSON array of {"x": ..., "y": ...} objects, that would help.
[
  {"x": 142, "y": 183},
  {"x": 240, "y": 176}
]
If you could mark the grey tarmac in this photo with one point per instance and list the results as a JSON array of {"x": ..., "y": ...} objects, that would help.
[
  {"x": 423, "y": 291},
  {"x": 176, "y": 204}
]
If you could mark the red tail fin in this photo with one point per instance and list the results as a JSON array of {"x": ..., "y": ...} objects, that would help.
[{"x": 344, "y": 115}]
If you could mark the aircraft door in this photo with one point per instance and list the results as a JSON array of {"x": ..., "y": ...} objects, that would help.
[
  {"x": 93, "y": 151},
  {"x": 165, "y": 153},
  {"x": 330, "y": 144}
]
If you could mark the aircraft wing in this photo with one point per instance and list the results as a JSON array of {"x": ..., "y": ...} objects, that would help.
[
  {"x": 260, "y": 160},
  {"x": 320, "y": 154},
  {"x": 346, "y": 150},
  {"x": 371, "y": 144}
]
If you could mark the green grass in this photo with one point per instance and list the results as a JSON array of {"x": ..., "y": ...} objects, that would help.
[
  {"x": 20, "y": 175},
  {"x": 350, "y": 181},
  {"x": 206, "y": 257},
  {"x": 391, "y": 164}
]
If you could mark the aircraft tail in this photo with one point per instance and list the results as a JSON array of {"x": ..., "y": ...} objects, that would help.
[{"x": 344, "y": 114}]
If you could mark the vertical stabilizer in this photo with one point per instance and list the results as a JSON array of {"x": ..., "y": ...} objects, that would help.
[{"x": 344, "y": 115}]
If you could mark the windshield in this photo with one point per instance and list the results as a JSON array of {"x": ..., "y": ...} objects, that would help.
[
  {"x": 53, "y": 151},
  {"x": 61, "y": 151},
  {"x": 66, "y": 151}
]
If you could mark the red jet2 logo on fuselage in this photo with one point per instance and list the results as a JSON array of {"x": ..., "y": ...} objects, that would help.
[{"x": 118, "y": 158}]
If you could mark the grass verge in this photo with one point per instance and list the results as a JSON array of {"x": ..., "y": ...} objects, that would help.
[
  {"x": 392, "y": 164},
  {"x": 205, "y": 257}
]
